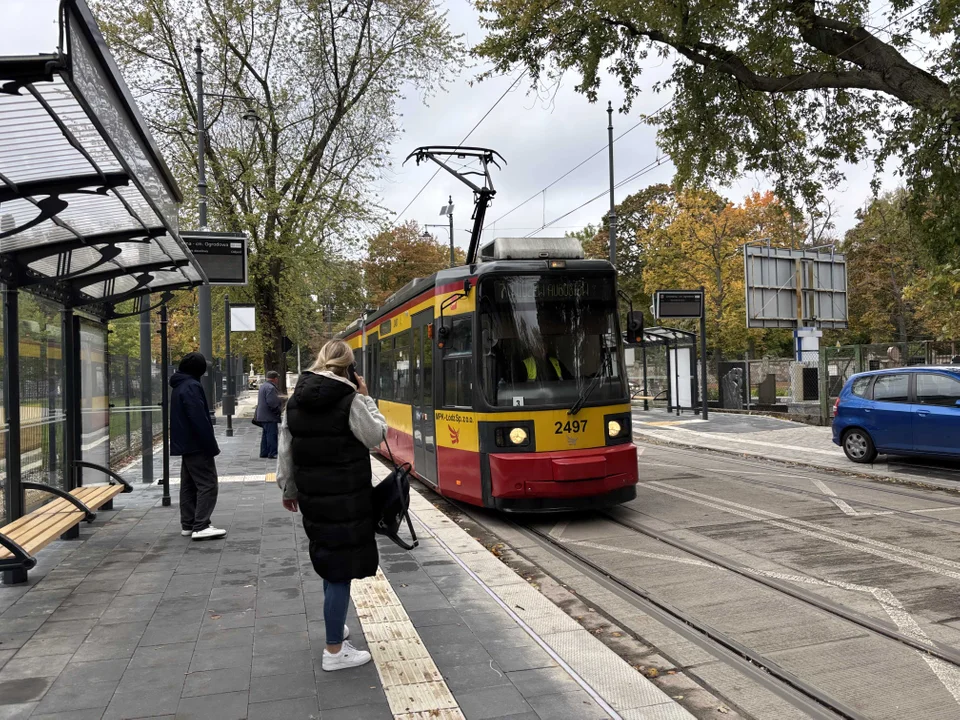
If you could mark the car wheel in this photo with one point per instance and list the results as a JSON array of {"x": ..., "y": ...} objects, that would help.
[{"x": 858, "y": 446}]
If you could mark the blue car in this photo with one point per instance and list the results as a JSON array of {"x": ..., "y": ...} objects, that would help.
[{"x": 906, "y": 411}]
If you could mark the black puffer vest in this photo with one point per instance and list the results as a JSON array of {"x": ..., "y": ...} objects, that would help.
[{"x": 332, "y": 471}]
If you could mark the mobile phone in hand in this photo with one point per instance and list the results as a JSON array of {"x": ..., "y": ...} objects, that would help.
[{"x": 352, "y": 374}]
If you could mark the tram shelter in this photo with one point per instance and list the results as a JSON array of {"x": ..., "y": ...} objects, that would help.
[
  {"x": 670, "y": 368},
  {"x": 88, "y": 223}
]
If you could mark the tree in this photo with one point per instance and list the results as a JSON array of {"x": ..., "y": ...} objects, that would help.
[
  {"x": 883, "y": 259},
  {"x": 696, "y": 238},
  {"x": 634, "y": 216},
  {"x": 321, "y": 83},
  {"x": 399, "y": 255},
  {"x": 792, "y": 88}
]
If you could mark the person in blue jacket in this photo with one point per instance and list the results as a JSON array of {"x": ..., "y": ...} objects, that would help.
[{"x": 192, "y": 438}]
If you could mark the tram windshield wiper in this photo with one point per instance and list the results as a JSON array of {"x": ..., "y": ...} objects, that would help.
[{"x": 588, "y": 390}]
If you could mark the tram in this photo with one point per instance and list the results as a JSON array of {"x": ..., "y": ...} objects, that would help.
[{"x": 503, "y": 381}]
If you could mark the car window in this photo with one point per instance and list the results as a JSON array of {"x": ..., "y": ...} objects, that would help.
[
  {"x": 861, "y": 386},
  {"x": 891, "y": 388},
  {"x": 935, "y": 389}
]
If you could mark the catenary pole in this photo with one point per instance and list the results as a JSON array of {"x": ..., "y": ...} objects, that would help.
[
  {"x": 612, "y": 215},
  {"x": 206, "y": 311}
]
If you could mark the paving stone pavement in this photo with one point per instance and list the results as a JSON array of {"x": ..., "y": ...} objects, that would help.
[{"x": 135, "y": 621}]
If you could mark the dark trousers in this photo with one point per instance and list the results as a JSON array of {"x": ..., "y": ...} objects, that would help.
[
  {"x": 269, "y": 440},
  {"x": 198, "y": 491}
]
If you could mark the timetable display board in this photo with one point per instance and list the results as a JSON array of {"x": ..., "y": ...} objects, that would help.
[
  {"x": 223, "y": 256},
  {"x": 678, "y": 304}
]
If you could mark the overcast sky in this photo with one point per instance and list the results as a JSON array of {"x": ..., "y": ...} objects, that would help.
[{"x": 539, "y": 140}]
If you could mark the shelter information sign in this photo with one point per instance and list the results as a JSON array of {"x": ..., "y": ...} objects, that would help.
[
  {"x": 678, "y": 304},
  {"x": 243, "y": 318},
  {"x": 223, "y": 256}
]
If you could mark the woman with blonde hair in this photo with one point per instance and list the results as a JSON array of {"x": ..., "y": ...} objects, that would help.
[{"x": 323, "y": 467}]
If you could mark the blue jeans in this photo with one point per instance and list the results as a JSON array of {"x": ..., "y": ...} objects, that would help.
[
  {"x": 269, "y": 440},
  {"x": 336, "y": 598}
]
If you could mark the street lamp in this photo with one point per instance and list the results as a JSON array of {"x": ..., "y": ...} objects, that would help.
[{"x": 205, "y": 304}]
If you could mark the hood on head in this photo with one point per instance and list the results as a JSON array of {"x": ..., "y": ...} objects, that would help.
[
  {"x": 193, "y": 364},
  {"x": 315, "y": 392},
  {"x": 179, "y": 378}
]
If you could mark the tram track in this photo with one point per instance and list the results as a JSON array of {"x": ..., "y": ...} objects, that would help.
[
  {"x": 756, "y": 666},
  {"x": 946, "y": 496},
  {"x": 762, "y": 670}
]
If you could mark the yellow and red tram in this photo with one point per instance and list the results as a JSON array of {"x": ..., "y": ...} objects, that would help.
[{"x": 503, "y": 382}]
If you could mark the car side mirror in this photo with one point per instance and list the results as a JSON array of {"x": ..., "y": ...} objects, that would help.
[{"x": 957, "y": 404}]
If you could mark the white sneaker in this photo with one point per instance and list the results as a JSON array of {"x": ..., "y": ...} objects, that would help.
[
  {"x": 210, "y": 533},
  {"x": 186, "y": 533},
  {"x": 348, "y": 657},
  {"x": 346, "y": 632}
]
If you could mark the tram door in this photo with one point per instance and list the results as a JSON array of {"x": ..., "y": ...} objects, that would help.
[{"x": 424, "y": 437}]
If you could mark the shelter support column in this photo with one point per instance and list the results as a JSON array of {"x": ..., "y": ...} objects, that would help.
[
  {"x": 146, "y": 394},
  {"x": 73, "y": 420},
  {"x": 165, "y": 404},
  {"x": 11, "y": 400}
]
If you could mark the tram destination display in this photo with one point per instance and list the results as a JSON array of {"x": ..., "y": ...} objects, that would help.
[
  {"x": 526, "y": 288},
  {"x": 678, "y": 304},
  {"x": 223, "y": 256}
]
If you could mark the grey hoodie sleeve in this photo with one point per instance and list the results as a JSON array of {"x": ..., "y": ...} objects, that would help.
[{"x": 366, "y": 422}]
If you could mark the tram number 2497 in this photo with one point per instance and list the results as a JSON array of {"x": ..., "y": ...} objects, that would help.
[{"x": 570, "y": 426}]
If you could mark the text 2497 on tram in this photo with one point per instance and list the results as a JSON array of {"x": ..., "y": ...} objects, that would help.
[{"x": 503, "y": 381}]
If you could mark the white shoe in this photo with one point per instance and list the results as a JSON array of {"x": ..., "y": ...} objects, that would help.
[
  {"x": 186, "y": 533},
  {"x": 348, "y": 657},
  {"x": 210, "y": 533},
  {"x": 346, "y": 632}
]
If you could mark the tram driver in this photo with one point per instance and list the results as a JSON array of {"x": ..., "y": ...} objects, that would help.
[{"x": 547, "y": 367}]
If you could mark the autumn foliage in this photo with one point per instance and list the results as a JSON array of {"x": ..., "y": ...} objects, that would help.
[{"x": 399, "y": 255}]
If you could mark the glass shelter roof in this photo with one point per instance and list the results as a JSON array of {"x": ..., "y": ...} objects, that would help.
[{"x": 88, "y": 208}]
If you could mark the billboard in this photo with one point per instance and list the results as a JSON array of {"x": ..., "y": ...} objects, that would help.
[
  {"x": 223, "y": 256},
  {"x": 788, "y": 288}
]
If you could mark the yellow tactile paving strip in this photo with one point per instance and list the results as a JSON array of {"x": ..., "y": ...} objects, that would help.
[
  {"x": 411, "y": 681},
  {"x": 270, "y": 477}
]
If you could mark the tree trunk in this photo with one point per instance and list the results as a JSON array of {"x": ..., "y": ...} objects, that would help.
[{"x": 267, "y": 299}]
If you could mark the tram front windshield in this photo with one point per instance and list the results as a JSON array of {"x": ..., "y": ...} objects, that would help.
[{"x": 548, "y": 340}]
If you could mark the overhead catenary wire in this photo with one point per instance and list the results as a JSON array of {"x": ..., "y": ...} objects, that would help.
[
  {"x": 462, "y": 141},
  {"x": 649, "y": 167},
  {"x": 583, "y": 162}
]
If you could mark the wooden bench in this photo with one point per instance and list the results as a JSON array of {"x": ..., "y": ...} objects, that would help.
[{"x": 22, "y": 538}]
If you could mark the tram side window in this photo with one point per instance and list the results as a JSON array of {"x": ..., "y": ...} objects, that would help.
[
  {"x": 401, "y": 389},
  {"x": 458, "y": 365},
  {"x": 386, "y": 369}
]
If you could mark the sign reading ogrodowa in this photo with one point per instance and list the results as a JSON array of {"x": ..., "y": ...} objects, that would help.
[
  {"x": 223, "y": 256},
  {"x": 678, "y": 304}
]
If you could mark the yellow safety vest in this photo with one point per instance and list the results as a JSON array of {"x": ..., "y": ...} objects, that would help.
[{"x": 531, "y": 365}]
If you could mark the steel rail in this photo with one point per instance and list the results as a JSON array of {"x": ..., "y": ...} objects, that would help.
[
  {"x": 945, "y": 653},
  {"x": 758, "y": 668}
]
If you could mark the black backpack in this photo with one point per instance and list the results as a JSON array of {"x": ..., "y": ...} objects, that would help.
[{"x": 391, "y": 503}]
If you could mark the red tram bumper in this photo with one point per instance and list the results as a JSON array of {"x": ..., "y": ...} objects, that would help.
[{"x": 564, "y": 480}]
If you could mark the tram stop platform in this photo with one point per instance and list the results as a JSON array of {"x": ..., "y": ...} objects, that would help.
[{"x": 135, "y": 621}]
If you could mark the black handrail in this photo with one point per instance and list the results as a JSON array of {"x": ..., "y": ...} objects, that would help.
[
  {"x": 127, "y": 487},
  {"x": 21, "y": 558},
  {"x": 88, "y": 514}
]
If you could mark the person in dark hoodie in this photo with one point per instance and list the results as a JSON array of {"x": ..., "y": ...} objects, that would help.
[
  {"x": 192, "y": 438},
  {"x": 323, "y": 468}
]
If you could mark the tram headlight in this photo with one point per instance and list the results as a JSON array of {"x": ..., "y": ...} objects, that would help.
[
  {"x": 511, "y": 437},
  {"x": 519, "y": 436},
  {"x": 617, "y": 429}
]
